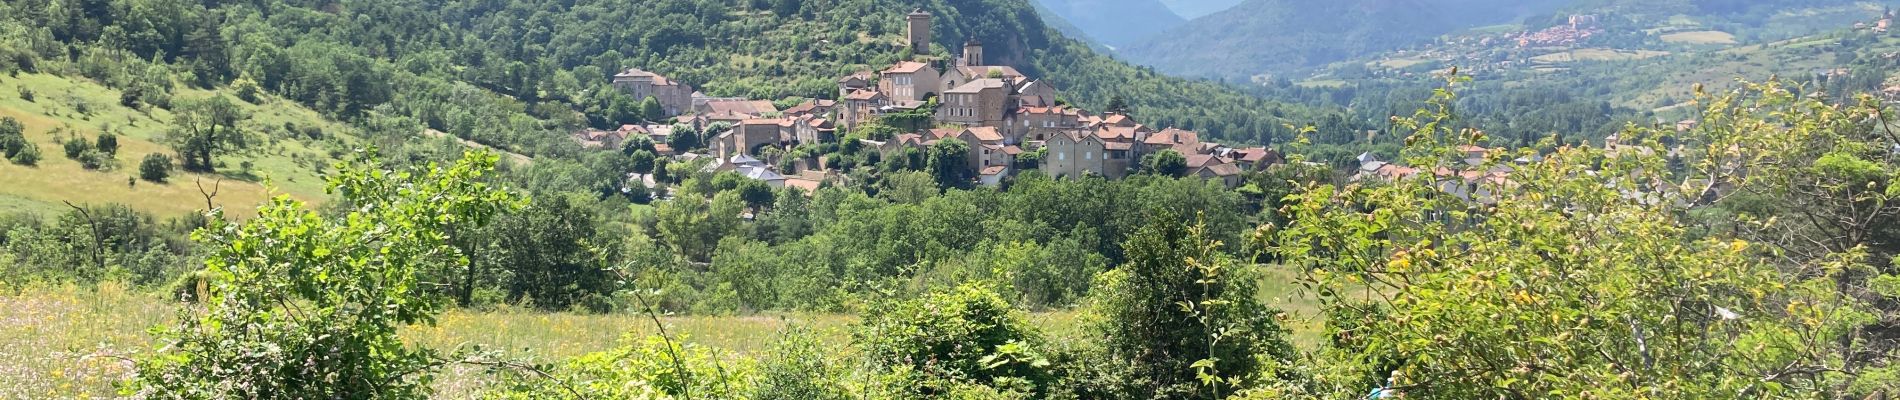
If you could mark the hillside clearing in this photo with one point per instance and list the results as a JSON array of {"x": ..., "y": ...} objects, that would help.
[
  {"x": 1700, "y": 37},
  {"x": 282, "y": 154}
]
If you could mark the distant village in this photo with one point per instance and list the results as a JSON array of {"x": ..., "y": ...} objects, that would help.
[{"x": 996, "y": 110}]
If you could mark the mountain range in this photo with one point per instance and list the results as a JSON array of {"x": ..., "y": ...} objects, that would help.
[{"x": 1115, "y": 23}]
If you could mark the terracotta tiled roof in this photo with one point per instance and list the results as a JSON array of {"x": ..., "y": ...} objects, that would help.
[
  {"x": 905, "y": 67},
  {"x": 994, "y": 169},
  {"x": 986, "y": 133},
  {"x": 1012, "y": 150},
  {"x": 1203, "y": 160},
  {"x": 1118, "y": 132},
  {"x": 863, "y": 94},
  {"x": 977, "y": 86}
]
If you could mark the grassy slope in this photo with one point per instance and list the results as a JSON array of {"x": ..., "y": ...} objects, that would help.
[
  {"x": 66, "y": 342},
  {"x": 52, "y": 117}
]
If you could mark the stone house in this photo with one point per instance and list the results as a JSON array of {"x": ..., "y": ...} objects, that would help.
[
  {"x": 860, "y": 106},
  {"x": 982, "y": 102},
  {"x": 908, "y": 82},
  {"x": 674, "y": 97},
  {"x": 749, "y": 135},
  {"x": 1074, "y": 154}
]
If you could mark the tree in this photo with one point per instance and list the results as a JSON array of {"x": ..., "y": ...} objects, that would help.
[
  {"x": 108, "y": 144},
  {"x": 650, "y": 110},
  {"x": 156, "y": 168},
  {"x": 949, "y": 163},
  {"x": 692, "y": 225},
  {"x": 546, "y": 249},
  {"x": 684, "y": 138},
  {"x": 1576, "y": 276},
  {"x": 304, "y": 306},
  {"x": 1168, "y": 163},
  {"x": 642, "y": 161},
  {"x": 201, "y": 129},
  {"x": 1184, "y": 318}
]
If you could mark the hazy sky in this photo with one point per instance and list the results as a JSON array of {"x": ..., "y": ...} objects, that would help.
[{"x": 1191, "y": 9}]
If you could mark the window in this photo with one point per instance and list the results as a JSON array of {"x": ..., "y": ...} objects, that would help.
[
  {"x": 1088, "y": 155},
  {"x": 1062, "y": 156}
]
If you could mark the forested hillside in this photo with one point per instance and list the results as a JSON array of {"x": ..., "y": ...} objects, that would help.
[
  {"x": 1280, "y": 36},
  {"x": 529, "y": 65}
]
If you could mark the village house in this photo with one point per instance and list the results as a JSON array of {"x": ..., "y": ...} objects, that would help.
[
  {"x": 1075, "y": 154},
  {"x": 908, "y": 83},
  {"x": 753, "y": 108},
  {"x": 674, "y": 97},
  {"x": 749, "y": 136},
  {"x": 982, "y": 102},
  {"x": 860, "y": 106}
]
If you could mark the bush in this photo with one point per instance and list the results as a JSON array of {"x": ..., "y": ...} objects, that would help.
[
  {"x": 966, "y": 335},
  {"x": 108, "y": 144},
  {"x": 26, "y": 94},
  {"x": 28, "y": 155},
  {"x": 652, "y": 368},
  {"x": 76, "y": 147},
  {"x": 155, "y": 168},
  {"x": 93, "y": 159}
]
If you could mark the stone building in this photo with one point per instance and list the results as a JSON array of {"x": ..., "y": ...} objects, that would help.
[{"x": 674, "y": 97}]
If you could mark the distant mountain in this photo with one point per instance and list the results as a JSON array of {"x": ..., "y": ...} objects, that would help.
[
  {"x": 1261, "y": 36},
  {"x": 1197, "y": 8},
  {"x": 1116, "y": 23}
]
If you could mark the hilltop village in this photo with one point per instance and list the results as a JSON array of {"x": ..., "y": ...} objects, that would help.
[{"x": 1008, "y": 122}]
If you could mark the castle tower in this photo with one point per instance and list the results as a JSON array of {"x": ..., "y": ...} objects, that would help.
[
  {"x": 919, "y": 32},
  {"x": 972, "y": 54}
]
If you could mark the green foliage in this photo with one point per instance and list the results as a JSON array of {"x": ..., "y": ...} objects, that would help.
[
  {"x": 1574, "y": 278},
  {"x": 156, "y": 167},
  {"x": 306, "y": 306},
  {"x": 201, "y": 129},
  {"x": 28, "y": 154},
  {"x": 76, "y": 146},
  {"x": 965, "y": 335},
  {"x": 108, "y": 144},
  {"x": 798, "y": 366},
  {"x": 1184, "y": 318},
  {"x": 692, "y": 225},
  {"x": 1168, "y": 163},
  {"x": 947, "y": 161},
  {"x": 649, "y": 368},
  {"x": 549, "y": 252}
]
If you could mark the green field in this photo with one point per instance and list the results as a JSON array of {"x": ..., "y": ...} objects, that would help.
[
  {"x": 63, "y": 107},
  {"x": 73, "y": 342}
]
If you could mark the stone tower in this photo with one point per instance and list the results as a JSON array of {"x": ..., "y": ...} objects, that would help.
[
  {"x": 972, "y": 53},
  {"x": 919, "y": 32}
]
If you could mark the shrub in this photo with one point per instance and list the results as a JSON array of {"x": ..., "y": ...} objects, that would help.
[
  {"x": 93, "y": 159},
  {"x": 652, "y": 368},
  {"x": 156, "y": 167},
  {"x": 28, "y": 155},
  {"x": 303, "y": 306},
  {"x": 965, "y": 335},
  {"x": 108, "y": 144},
  {"x": 26, "y": 94},
  {"x": 76, "y": 147}
]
